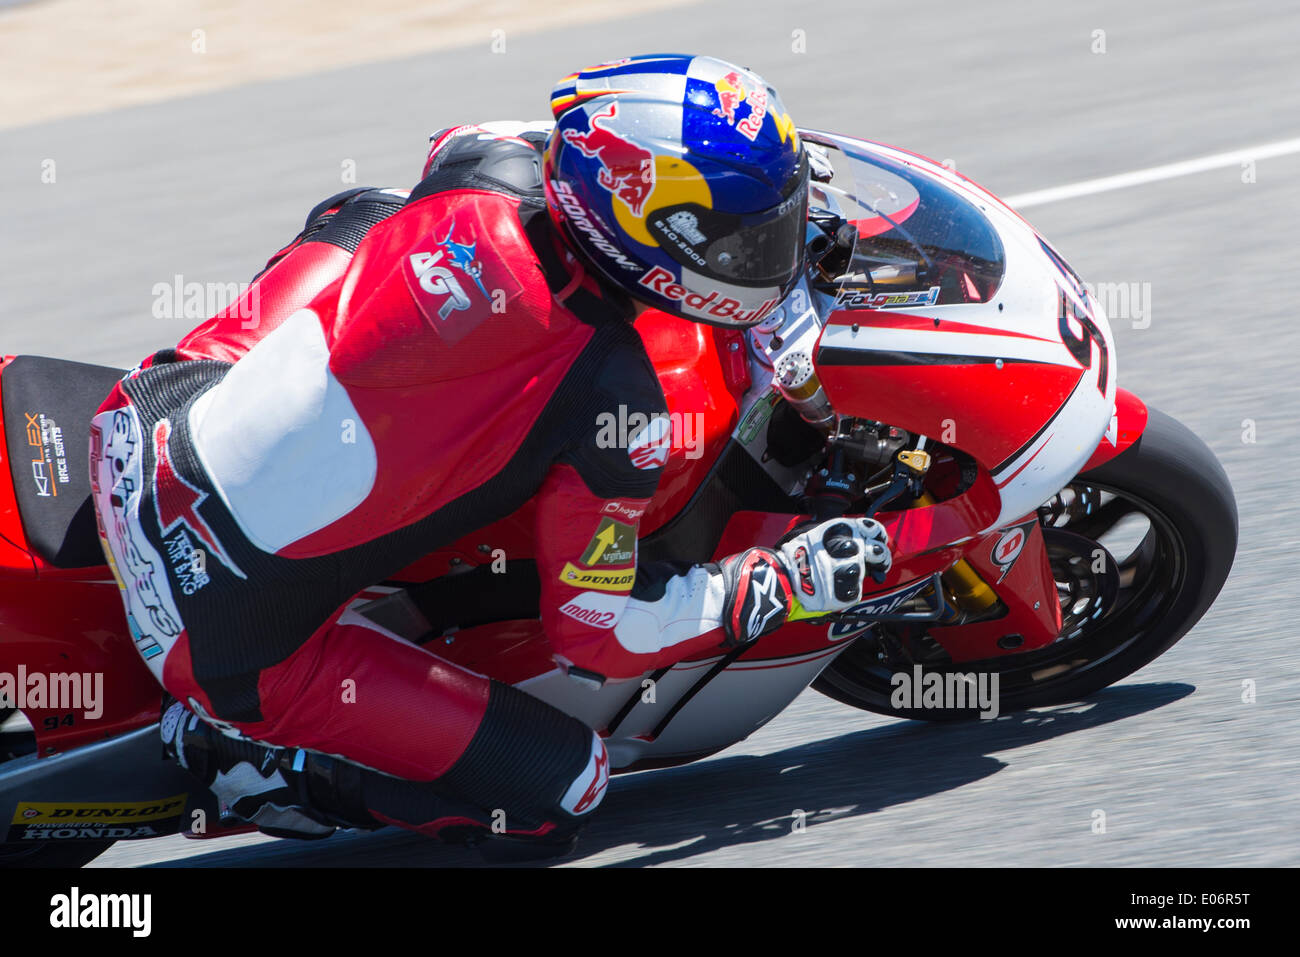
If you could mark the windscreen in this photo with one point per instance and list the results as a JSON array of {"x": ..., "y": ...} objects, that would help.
[{"x": 914, "y": 241}]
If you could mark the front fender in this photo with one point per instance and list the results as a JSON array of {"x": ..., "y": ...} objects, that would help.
[{"x": 1127, "y": 424}]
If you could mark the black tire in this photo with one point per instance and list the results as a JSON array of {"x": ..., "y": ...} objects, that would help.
[
  {"x": 1177, "y": 485},
  {"x": 60, "y": 854}
]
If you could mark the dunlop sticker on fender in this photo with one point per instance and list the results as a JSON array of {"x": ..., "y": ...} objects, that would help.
[
  {"x": 97, "y": 820},
  {"x": 577, "y": 577}
]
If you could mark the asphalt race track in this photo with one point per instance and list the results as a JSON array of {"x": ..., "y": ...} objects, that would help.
[{"x": 1014, "y": 95}]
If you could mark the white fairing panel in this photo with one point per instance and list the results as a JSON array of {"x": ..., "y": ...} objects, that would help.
[
  {"x": 732, "y": 706},
  {"x": 1071, "y": 437},
  {"x": 280, "y": 439},
  {"x": 1031, "y": 295},
  {"x": 1026, "y": 303}
]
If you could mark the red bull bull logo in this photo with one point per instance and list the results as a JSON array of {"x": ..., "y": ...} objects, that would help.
[
  {"x": 626, "y": 170},
  {"x": 732, "y": 92}
]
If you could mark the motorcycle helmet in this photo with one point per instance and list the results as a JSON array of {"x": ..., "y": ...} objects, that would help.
[{"x": 683, "y": 181}]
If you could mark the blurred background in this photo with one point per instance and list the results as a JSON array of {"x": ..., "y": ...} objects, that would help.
[{"x": 146, "y": 142}]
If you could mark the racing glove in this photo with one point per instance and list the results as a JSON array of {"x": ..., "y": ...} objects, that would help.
[{"x": 817, "y": 569}]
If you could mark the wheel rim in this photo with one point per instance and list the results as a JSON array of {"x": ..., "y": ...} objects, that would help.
[{"x": 1087, "y": 579}]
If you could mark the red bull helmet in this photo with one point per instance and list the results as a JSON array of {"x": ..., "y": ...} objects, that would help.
[{"x": 683, "y": 180}]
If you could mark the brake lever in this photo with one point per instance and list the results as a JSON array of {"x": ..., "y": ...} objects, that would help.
[{"x": 910, "y": 467}]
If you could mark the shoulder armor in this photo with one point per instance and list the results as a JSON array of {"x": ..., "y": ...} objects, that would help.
[{"x": 508, "y": 165}]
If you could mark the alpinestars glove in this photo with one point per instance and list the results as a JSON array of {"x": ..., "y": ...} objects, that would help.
[
  {"x": 831, "y": 560},
  {"x": 821, "y": 568}
]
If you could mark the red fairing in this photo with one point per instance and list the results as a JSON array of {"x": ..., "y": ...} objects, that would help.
[
  {"x": 509, "y": 651},
  {"x": 983, "y": 408},
  {"x": 66, "y": 621},
  {"x": 293, "y": 282},
  {"x": 703, "y": 389},
  {"x": 1130, "y": 423},
  {"x": 917, "y": 534},
  {"x": 732, "y": 354},
  {"x": 1013, "y": 560},
  {"x": 65, "y": 627}
]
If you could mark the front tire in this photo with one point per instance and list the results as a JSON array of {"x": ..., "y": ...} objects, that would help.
[{"x": 1157, "y": 591}]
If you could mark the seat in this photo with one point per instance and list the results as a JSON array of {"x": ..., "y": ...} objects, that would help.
[{"x": 48, "y": 405}]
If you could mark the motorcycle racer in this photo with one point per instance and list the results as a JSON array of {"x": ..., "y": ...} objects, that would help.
[{"x": 422, "y": 364}]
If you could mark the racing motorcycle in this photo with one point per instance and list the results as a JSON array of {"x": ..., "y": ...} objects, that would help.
[{"x": 940, "y": 367}]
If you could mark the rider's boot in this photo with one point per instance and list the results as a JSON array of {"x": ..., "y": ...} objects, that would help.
[{"x": 248, "y": 778}]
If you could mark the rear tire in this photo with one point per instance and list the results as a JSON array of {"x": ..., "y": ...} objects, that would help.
[{"x": 1171, "y": 479}]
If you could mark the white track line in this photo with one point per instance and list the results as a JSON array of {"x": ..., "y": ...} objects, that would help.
[{"x": 1153, "y": 174}]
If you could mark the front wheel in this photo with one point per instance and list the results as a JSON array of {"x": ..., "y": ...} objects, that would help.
[{"x": 1165, "y": 517}]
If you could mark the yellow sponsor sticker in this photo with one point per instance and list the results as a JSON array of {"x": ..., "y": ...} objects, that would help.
[
  {"x": 74, "y": 814},
  {"x": 614, "y": 543},
  {"x": 577, "y": 577}
]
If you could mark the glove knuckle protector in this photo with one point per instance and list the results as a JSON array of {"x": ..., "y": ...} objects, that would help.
[{"x": 758, "y": 595}]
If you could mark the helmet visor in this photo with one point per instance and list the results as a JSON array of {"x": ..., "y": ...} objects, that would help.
[{"x": 759, "y": 249}]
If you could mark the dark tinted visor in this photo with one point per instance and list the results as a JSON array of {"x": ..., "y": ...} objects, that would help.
[{"x": 760, "y": 249}]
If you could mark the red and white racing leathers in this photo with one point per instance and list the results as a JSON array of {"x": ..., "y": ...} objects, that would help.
[{"x": 408, "y": 370}]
